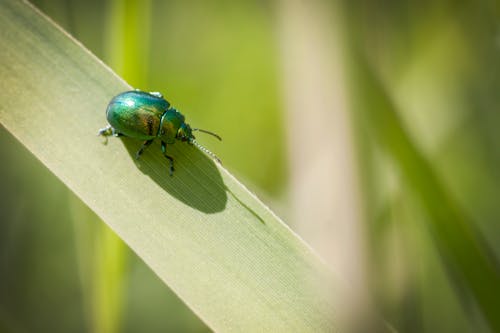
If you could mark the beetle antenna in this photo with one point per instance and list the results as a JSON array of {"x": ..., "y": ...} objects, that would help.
[
  {"x": 208, "y": 132},
  {"x": 205, "y": 150}
]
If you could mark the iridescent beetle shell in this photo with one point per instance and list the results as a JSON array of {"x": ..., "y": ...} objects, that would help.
[{"x": 147, "y": 116}]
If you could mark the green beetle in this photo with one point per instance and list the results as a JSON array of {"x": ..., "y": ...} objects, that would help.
[{"x": 147, "y": 116}]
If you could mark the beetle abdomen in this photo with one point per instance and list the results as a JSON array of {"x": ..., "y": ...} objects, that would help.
[{"x": 136, "y": 114}]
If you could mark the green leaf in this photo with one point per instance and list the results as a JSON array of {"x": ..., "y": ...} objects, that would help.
[{"x": 204, "y": 234}]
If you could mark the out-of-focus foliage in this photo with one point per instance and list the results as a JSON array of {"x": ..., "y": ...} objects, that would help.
[
  {"x": 424, "y": 78},
  {"x": 427, "y": 109}
]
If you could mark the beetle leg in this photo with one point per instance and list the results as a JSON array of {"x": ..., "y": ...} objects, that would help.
[
  {"x": 170, "y": 158},
  {"x": 105, "y": 132},
  {"x": 156, "y": 94},
  {"x": 144, "y": 146}
]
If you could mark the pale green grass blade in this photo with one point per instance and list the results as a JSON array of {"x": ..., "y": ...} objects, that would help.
[{"x": 218, "y": 247}]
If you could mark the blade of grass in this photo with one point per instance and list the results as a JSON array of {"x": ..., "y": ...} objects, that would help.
[{"x": 217, "y": 246}]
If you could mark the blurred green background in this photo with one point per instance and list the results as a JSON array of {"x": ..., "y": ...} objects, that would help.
[{"x": 369, "y": 126}]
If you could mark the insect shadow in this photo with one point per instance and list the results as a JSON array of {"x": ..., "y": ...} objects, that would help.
[{"x": 196, "y": 180}]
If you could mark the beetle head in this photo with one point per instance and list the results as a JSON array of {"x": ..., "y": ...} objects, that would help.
[{"x": 184, "y": 133}]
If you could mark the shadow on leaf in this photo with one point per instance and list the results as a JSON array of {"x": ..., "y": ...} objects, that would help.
[{"x": 196, "y": 180}]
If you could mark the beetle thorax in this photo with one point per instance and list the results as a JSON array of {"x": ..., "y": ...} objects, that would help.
[{"x": 171, "y": 122}]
